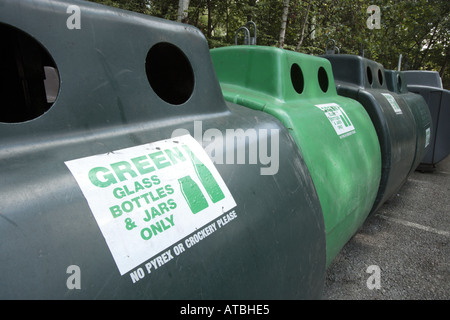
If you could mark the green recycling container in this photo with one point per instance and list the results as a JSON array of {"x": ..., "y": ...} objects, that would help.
[
  {"x": 334, "y": 134},
  {"x": 120, "y": 168},
  {"x": 362, "y": 79},
  {"x": 396, "y": 82}
]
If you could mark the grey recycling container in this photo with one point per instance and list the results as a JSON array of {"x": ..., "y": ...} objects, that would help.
[
  {"x": 138, "y": 181},
  {"x": 423, "y": 78},
  {"x": 429, "y": 85}
]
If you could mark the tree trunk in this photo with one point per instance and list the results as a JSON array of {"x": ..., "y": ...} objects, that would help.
[
  {"x": 303, "y": 28},
  {"x": 183, "y": 6},
  {"x": 251, "y": 4},
  {"x": 444, "y": 66},
  {"x": 227, "y": 22},
  {"x": 283, "y": 22},
  {"x": 209, "y": 31}
]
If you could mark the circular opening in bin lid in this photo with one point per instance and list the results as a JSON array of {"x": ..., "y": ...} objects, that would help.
[
  {"x": 29, "y": 83},
  {"x": 323, "y": 79},
  {"x": 169, "y": 73},
  {"x": 399, "y": 82},
  {"x": 297, "y": 78},
  {"x": 369, "y": 75},
  {"x": 380, "y": 77}
]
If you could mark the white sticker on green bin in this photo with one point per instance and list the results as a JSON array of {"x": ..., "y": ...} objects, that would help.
[
  {"x": 338, "y": 119},
  {"x": 148, "y": 197},
  {"x": 393, "y": 103}
]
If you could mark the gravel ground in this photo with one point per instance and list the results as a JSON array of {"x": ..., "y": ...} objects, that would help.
[{"x": 408, "y": 239}]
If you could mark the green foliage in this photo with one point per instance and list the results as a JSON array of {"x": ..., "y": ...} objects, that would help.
[{"x": 419, "y": 30}]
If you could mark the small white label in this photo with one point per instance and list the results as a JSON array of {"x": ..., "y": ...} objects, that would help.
[
  {"x": 393, "y": 103},
  {"x": 427, "y": 137},
  {"x": 338, "y": 119},
  {"x": 148, "y": 197}
]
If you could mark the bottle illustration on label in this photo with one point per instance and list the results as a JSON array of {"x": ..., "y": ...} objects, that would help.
[
  {"x": 206, "y": 178},
  {"x": 345, "y": 120},
  {"x": 192, "y": 194}
]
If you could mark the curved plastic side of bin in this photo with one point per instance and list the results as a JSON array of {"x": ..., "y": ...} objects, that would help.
[
  {"x": 396, "y": 82},
  {"x": 90, "y": 205},
  {"x": 334, "y": 134},
  {"x": 429, "y": 86},
  {"x": 391, "y": 116}
]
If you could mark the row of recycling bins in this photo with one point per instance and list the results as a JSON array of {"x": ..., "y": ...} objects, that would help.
[
  {"x": 348, "y": 133},
  {"x": 360, "y": 139}
]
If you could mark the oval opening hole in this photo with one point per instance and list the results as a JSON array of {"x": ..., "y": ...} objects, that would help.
[
  {"x": 369, "y": 75},
  {"x": 297, "y": 78},
  {"x": 29, "y": 82},
  {"x": 169, "y": 73},
  {"x": 380, "y": 77},
  {"x": 399, "y": 82},
  {"x": 323, "y": 79}
]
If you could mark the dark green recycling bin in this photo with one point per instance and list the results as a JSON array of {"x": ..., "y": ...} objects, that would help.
[
  {"x": 423, "y": 78},
  {"x": 428, "y": 84},
  {"x": 334, "y": 134},
  {"x": 396, "y": 82},
  {"x": 125, "y": 175},
  {"x": 364, "y": 80}
]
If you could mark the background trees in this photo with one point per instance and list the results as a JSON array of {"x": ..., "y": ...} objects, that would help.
[{"x": 419, "y": 30}]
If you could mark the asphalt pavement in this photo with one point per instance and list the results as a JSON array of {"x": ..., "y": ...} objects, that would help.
[{"x": 402, "y": 252}]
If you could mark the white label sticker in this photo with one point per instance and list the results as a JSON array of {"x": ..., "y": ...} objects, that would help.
[
  {"x": 338, "y": 119},
  {"x": 393, "y": 103},
  {"x": 427, "y": 136},
  {"x": 148, "y": 197}
]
